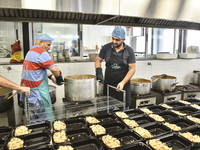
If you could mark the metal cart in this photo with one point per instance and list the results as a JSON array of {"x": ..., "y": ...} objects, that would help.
[{"x": 98, "y": 104}]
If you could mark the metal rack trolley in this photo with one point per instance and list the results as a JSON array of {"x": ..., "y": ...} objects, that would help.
[{"x": 101, "y": 103}]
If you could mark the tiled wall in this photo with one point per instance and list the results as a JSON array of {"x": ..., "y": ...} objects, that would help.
[{"x": 180, "y": 68}]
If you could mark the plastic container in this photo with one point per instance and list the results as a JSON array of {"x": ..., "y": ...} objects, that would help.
[
  {"x": 188, "y": 55},
  {"x": 168, "y": 115},
  {"x": 166, "y": 56},
  {"x": 156, "y": 108},
  {"x": 174, "y": 141}
]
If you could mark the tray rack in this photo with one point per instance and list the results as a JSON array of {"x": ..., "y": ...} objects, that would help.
[{"x": 98, "y": 104}]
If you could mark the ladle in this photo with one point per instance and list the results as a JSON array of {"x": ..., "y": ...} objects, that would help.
[{"x": 162, "y": 75}]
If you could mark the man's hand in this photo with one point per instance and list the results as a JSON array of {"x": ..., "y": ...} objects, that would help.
[
  {"x": 120, "y": 86},
  {"x": 59, "y": 79},
  {"x": 99, "y": 74},
  {"x": 52, "y": 78},
  {"x": 25, "y": 89}
]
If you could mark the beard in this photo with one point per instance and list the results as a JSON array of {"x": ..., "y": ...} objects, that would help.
[{"x": 117, "y": 45}]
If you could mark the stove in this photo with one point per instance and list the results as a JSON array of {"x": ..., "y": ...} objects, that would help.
[
  {"x": 138, "y": 101},
  {"x": 189, "y": 91},
  {"x": 164, "y": 97}
]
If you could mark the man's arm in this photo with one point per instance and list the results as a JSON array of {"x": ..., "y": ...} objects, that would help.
[
  {"x": 128, "y": 76},
  {"x": 58, "y": 79},
  {"x": 55, "y": 71},
  {"x": 10, "y": 85},
  {"x": 98, "y": 62}
]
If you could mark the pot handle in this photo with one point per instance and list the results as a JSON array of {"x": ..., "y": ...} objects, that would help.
[
  {"x": 155, "y": 80},
  {"x": 174, "y": 84}
]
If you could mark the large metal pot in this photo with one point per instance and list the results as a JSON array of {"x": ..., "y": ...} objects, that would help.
[
  {"x": 140, "y": 86},
  {"x": 5, "y": 104},
  {"x": 196, "y": 77},
  {"x": 52, "y": 92},
  {"x": 80, "y": 87},
  {"x": 163, "y": 83}
]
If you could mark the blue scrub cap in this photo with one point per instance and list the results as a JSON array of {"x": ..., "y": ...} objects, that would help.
[
  {"x": 119, "y": 32},
  {"x": 74, "y": 41},
  {"x": 44, "y": 37}
]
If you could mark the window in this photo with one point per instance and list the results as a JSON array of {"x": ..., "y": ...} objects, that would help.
[
  {"x": 65, "y": 39},
  {"x": 8, "y": 36},
  {"x": 163, "y": 40}
]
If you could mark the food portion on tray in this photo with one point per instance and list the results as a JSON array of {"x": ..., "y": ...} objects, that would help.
[
  {"x": 110, "y": 141},
  {"x": 22, "y": 130},
  {"x": 195, "y": 106},
  {"x": 172, "y": 126},
  {"x": 158, "y": 145},
  {"x": 59, "y": 125},
  {"x": 194, "y": 119},
  {"x": 178, "y": 112},
  {"x": 121, "y": 114},
  {"x": 156, "y": 117},
  {"x": 65, "y": 147},
  {"x": 146, "y": 110},
  {"x": 166, "y": 106},
  {"x": 143, "y": 132},
  {"x": 92, "y": 120},
  {"x": 15, "y": 143},
  {"x": 185, "y": 102},
  {"x": 98, "y": 129},
  {"x": 130, "y": 123},
  {"x": 60, "y": 137},
  {"x": 191, "y": 137}
]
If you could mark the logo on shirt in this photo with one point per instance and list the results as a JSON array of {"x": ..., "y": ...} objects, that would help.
[{"x": 115, "y": 66}]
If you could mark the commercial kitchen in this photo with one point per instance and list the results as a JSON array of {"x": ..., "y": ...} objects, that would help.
[{"x": 165, "y": 89}]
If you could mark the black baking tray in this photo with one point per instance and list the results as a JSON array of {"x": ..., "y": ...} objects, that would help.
[
  {"x": 113, "y": 127},
  {"x": 144, "y": 119},
  {"x": 175, "y": 104},
  {"x": 40, "y": 147},
  {"x": 193, "y": 101},
  {"x": 5, "y": 131},
  {"x": 174, "y": 141},
  {"x": 38, "y": 127},
  {"x": 157, "y": 129},
  {"x": 135, "y": 146},
  {"x": 73, "y": 123},
  {"x": 196, "y": 115},
  {"x": 134, "y": 112},
  {"x": 168, "y": 115},
  {"x": 37, "y": 138},
  {"x": 107, "y": 117},
  {"x": 86, "y": 144},
  {"x": 127, "y": 137},
  {"x": 156, "y": 108},
  {"x": 77, "y": 134},
  {"x": 182, "y": 122},
  {"x": 188, "y": 110},
  {"x": 195, "y": 130},
  {"x": 3, "y": 143}
]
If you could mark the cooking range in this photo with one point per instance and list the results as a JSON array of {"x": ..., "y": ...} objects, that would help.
[
  {"x": 189, "y": 91},
  {"x": 142, "y": 100},
  {"x": 163, "y": 97}
]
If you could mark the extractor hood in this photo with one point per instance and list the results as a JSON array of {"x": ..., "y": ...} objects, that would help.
[{"x": 182, "y": 14}]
